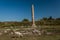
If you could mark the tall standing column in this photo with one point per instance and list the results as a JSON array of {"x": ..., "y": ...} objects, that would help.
[{"x": 33, "y": 21}]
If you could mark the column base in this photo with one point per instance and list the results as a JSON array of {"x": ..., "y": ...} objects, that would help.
[{"x": 34, "y": 26}]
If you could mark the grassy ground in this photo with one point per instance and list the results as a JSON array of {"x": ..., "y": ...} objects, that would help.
[{"x": 33, "y": 37}]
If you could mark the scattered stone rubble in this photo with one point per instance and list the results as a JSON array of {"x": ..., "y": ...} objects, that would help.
[{"x": 24, "y": 32}]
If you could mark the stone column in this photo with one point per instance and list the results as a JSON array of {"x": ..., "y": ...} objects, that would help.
[{"x": 33, "y": 21}]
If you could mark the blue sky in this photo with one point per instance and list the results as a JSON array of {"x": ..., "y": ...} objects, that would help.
[{"x": 17, "y": 10}]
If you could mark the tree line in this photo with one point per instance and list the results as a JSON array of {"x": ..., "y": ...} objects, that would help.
[{"x": 27, "y": 22}]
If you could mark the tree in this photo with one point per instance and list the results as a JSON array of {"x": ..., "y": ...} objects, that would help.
[
  {"x": 44, "y": 18},
  {"x": 50, "y": 18},
  {"x": 25, "y": 22}
]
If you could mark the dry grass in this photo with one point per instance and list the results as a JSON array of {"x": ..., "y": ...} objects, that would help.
[{"x": 30, "y": 37}]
